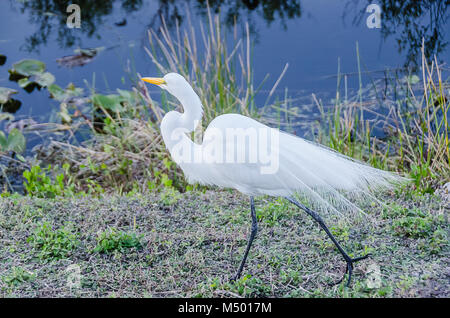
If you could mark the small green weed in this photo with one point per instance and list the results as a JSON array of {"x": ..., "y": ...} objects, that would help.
[
  {"x": 113, "y": 240},
  {"x": 18, "y": 276},
  {"x": 170, "y": 196},
  {"x": 272, "y": 212},
  {"x": 51, "y": 243},
  {"x": 414, "y": 226},
  {"x": 39, "y": 184},
  {"x": 248, "y": 286},
  {"x": 438, "y": 241}
]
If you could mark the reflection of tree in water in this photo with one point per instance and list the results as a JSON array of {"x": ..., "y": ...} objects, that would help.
[
  {"x": 410, "y": 21},
  {"x": 268, "y": 9},
  {"x": 51, "y": 15},
  {"x": 232, "y": 11}
]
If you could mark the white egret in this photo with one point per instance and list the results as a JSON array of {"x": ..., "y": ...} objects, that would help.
[{"x": 241, "y": 153}]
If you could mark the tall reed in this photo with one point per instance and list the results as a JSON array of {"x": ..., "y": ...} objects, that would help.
[{"x": 414, "y": 126}]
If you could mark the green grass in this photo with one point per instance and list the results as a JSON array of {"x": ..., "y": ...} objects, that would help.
[
  {"x": 17, "y": 276},
  {"x": 113, "y": 240},
  {"x": 53, "y": 243},
  {"x": 137, "y": 246}
]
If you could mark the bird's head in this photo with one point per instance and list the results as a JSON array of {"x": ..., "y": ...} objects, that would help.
[{"x": 174, "y": 83}]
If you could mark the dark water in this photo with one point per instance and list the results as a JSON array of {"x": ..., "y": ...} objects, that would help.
[{"x": 309, "y": 35}]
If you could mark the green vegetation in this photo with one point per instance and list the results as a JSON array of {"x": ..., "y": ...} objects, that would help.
[
  {"x": 426, "y": 226},
  {"x": 113, "y": 240},
  {"x": 17, "y": 276},
  {"x": 40, "y": 185},
  {"x": 134, "y": 246},
  {"x": 15, "y": 141},
  {"x": 53, "y": 244},
  {"x": 30, "y": 74}
]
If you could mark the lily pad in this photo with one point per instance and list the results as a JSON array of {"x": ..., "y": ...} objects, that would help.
[
  {"x": 44, "y": 79},
  {"x": 5, "y": 94},
  {"x": 63, "y": 95},
  {"x": 28, "y": 68},
  {"x": 30, "y": 74},
  {"x": 15, "y": 142}
]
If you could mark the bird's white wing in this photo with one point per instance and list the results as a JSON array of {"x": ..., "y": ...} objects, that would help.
[
  {"x": 329, "y": 181},
  {"x": 324, "y": 179}
]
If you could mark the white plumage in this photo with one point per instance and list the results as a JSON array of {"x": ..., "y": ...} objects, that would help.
[
  {"x": 241, "y": 153},
  {"x": 327, "y": 179}
]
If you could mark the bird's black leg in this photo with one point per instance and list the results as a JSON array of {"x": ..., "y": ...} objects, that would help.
[
  {"x": 319, "y": 220},
  {"x": 250, "y": 241}
]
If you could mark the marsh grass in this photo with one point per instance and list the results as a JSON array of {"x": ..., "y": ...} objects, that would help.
[{"x": 406, "y": 134}]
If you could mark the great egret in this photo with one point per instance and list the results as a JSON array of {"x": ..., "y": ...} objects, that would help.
[{"x": 241, "y": 153}]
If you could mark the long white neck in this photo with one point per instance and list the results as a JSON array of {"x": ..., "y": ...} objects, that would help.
[
  {"x": 193, "y": 109},
  {"x": 175, "y": 126}
]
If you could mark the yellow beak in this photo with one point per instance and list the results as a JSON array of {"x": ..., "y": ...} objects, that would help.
[{"x": 154, "y": 80}]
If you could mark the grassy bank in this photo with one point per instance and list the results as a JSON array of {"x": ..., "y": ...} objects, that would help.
[
  {"x": 190, "y": 244},
  {"x": 116, "y": 206}
]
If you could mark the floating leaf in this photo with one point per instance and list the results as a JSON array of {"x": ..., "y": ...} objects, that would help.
[
  {"x": 6, "y": 116},
  {"x": 44, "y": 79},
  {"x": 30, "y": 74},
  {"x": 5, "y": 94},
  {"x": 28, "y": 68},
  {"x": 15, "y": 142},
  {"x": 62, "y": 95},
  {"x": 56, "y": 92},
  {"x": 24, "y": 82},
  {"x": 109, "y": 102}
]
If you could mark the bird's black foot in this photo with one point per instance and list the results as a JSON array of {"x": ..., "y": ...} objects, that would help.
[
  {"x": 234, "y": 278},
  {"x": 349, "y": 269}
]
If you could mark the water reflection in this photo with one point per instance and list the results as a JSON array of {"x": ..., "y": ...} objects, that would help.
[
  {"x": 50, "y": 16},
  {"x": 410, "y": 21},
  {"x": 407, "y": 21},
  {"x": 269, "y": 10}
]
